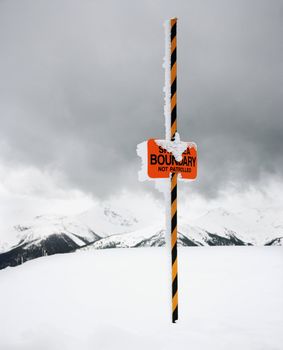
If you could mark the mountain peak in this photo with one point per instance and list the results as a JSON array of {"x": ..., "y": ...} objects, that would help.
[{"x": 117, "y": 217}]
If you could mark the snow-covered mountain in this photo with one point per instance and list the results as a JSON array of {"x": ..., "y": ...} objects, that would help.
[
  {"x": 51, "y": 234},
  {"x": 153, "y": 236},
  {"x": 216, "y": 227},
  {"x": 46, "y": 235},
  {"x": 252, "y": 225},
  {"x": 106, "y": 227}
]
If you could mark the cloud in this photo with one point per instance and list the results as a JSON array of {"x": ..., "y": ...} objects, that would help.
[{"x": 81, "y": 85}]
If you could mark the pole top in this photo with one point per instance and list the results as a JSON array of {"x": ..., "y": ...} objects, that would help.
[{"x": 171, "y": 21}]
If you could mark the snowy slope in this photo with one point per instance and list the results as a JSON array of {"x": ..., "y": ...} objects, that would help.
[
  {"x": 43, "y": 226},
  {"x": 203, "y": 237},
  {"x": 251, "y": 225},
  {"x": 229, "y": 298},
  {"x": 129, "y": 239}
]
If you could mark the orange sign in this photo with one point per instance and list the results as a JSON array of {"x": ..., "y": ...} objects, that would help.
[{"x": 162, "y": 163}]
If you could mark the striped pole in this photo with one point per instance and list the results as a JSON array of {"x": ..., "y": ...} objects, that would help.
[{"x": 173, "y": 110}]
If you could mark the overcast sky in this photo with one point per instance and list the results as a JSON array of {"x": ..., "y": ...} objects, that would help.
[{"x": 81, "y": 85}]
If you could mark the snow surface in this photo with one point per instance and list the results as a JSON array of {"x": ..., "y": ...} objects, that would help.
[
  {"x": 230, "y": 298},
  {"x": 176, "y": 147}
]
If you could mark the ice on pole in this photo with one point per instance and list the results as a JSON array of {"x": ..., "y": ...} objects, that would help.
[{"x": 166, "y": 161}]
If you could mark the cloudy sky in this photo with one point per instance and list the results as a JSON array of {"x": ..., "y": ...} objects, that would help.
[{"x": 81, "y": 85}]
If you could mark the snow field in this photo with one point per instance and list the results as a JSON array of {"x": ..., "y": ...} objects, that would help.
[{"x": 229, "y": 297}]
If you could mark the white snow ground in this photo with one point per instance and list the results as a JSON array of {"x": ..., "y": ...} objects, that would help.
[{"x": 230, "y": 298}]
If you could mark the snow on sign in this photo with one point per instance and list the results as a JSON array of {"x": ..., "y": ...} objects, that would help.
[{"x": 162, "y": 162}]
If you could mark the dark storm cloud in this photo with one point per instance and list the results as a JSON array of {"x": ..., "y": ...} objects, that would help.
[{"x": 81, "y": 85}]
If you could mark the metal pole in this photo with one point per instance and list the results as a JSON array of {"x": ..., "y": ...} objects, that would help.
[{"x": 174, "y": 176}]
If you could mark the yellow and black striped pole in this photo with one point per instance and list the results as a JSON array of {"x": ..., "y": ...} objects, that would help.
[{"x": 173, "y": 114}]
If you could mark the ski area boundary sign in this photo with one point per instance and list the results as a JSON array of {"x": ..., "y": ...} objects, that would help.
[{"x": 162, "y": 163}]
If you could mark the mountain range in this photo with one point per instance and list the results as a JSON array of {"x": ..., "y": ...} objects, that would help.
[{"x": 106, "y": 227}]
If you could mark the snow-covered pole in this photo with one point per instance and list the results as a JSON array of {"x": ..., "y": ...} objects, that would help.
[
  {"x": 170, "y": 110},
  {"x": 163, "y": 161}
]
